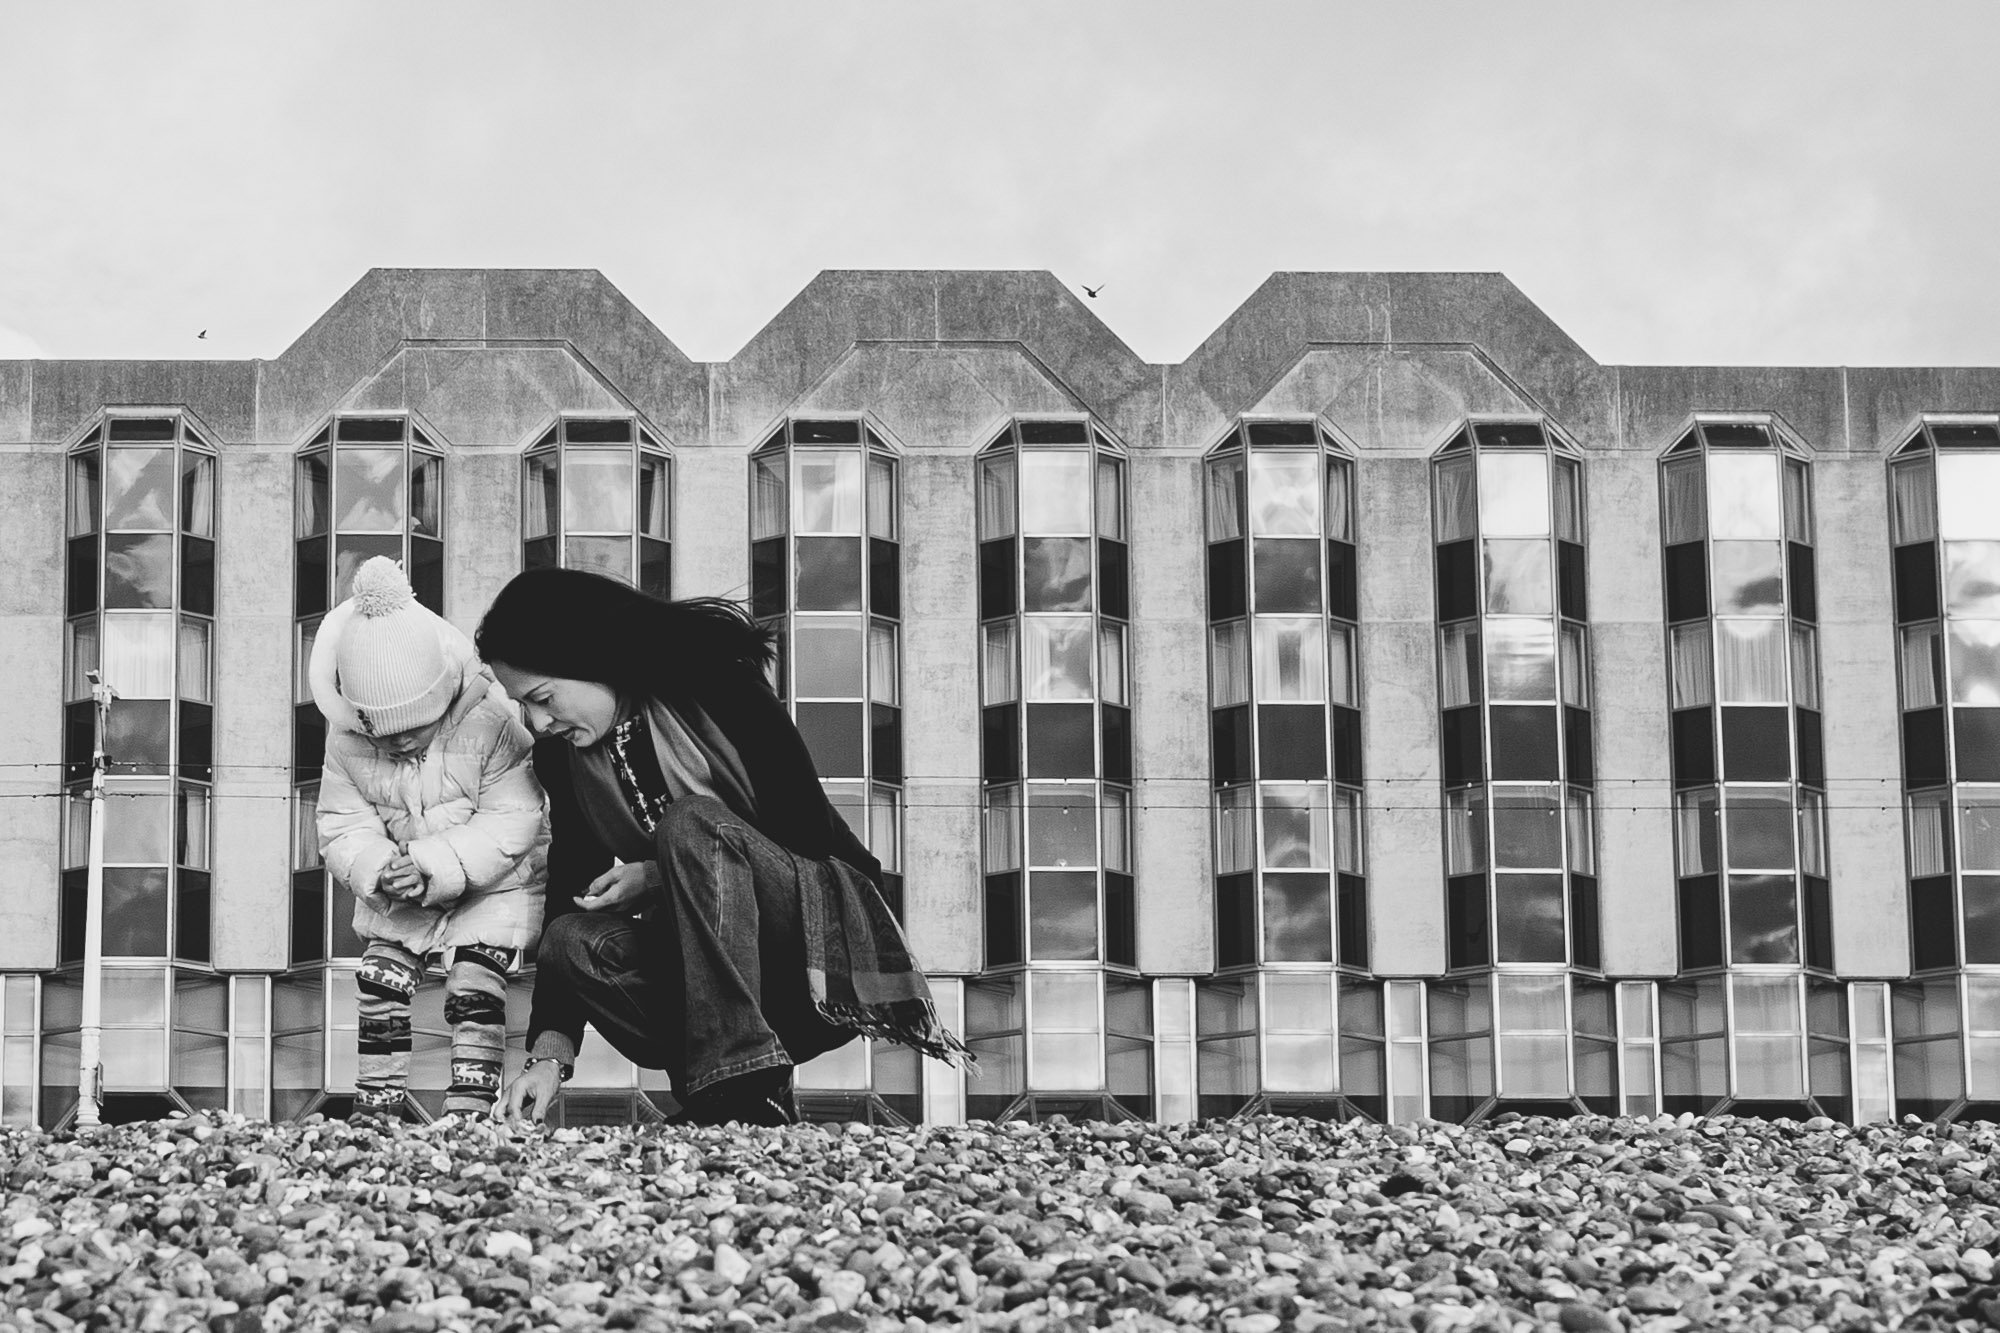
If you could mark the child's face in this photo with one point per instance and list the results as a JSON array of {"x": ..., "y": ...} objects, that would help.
[
  {"x": 406, "y": 744},
  {"x": 579, "y": 711}
]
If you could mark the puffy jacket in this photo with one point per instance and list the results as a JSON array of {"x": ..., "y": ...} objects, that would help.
[{"x": 470, "y": 811}]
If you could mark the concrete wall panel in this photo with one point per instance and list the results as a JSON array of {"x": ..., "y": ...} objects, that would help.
[{"x": 31, "y": 668}]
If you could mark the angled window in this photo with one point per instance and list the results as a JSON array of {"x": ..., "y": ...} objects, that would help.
[{"x": 596, "y": 494}]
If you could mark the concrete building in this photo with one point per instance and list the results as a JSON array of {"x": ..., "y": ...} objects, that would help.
[{"x": 1388, "y": 710}]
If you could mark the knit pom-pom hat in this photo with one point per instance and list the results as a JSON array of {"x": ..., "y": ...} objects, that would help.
[{"x": 392, "y": 661}]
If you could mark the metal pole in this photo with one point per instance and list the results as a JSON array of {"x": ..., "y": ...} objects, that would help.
[{"x": 90, "y": 1081}]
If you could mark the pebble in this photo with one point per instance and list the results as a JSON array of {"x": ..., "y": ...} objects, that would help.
[{"x": 1265, "y": 1225}]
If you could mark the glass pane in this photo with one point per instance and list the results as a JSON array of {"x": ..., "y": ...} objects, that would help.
[
  {"x": 1296, "y": 826},
  {"x": 1760, "y": 829},
  {"x": 1568, "y": 501},
  {"x": 1224, "y": 498},
  {"x": 1527, "y": 828},
  {"x": 85, "y": 493},
  {"x": 1111, "y": 499},
  {"x": 1812, "y": 832},
  {"x": 139, "y": 655},
  {"x": 1343, "y": 684},
  {"x": 1753, "y": 659},
  {"x": 139, "y": 490},
  {"x": 1339, "y": 500},
  {"x": 540, "y": 492},
  {"x": 311, "y": 497},
  {"x": 767, "y": 496},
  {"x": 1284, "y": 494},
  {"x": 138, "y": 825},
  {"x": 1929, "y": 822},
  {"x": 1459, "y": 666},
  {"x": 1972, "y": 579},
  {"x": 1763, "y": 919},
  {"x": 1111, "y": 663},
  {"x": 885, "y": 827},
  {"x": 1002, "y": 829},
  {"x": 1298, "y": 919},
  {"x": 1286, "y": 574},
  {"x": 1062, "y": 915},
  {"x": 1347, "y": 834},
  {"x": 1298, "y": 1003},
  {"x": 1698, "y": 829},
  {"x": 1055, "y": 493},
  {"x": 1290, "y": 660},
  {"x": 1465, "y": 831},
  {"x": 884, "y": 673},
  {"x": 1749, "y": 578},
  {"x": 1000, "y": 676},
  {"x": 1116, "y": 807},
  {"x": 1063, "y": 1002},
  {"x": 426, "y": 495},
  {"x": 1062, "y": 825},
  {"x": 1067, "y": 1061},
  {"x": 1235, "y": 831},
  {"x": 1686, "y": 510},
  {"x": 1057, "y": 652},
  {"x": 1574, "y": 646},
  {"x": 996, "y": 496},
  {"x": 350, "y": 553},
  {"x": 1912, "y": 511},
  {"x": 829, "y": 573},
  {"x": 597, "y": 490},
  {"x": 193, "y": 668},
  {"x": 1514, "y": 494},
  {"x": 1582, "y": 832},
  {"x": 1534, "y": 1004},
  {"x": 191, "y": 828},
  {"x": 1975, "y": 661},
  {"x": 1743, "y": 496},
  {"x": 827, "y": 657},
  {"x": 1456, "y": 500},
  {"x": 1055, "y": 574},
  {"x": 1798, "y": 503},
  {"x": 603, "y": 555},
  {"x": 368, "y": 490},
  {"x": 1520, "y": 659},
  {"x": 829, "y": 495},
  {"x": 197, "y": 493},
  {"x": 1967, "y": 485},
  {"x": 138, "y": 570},
  {"x": 81, "y": 657},
  {"x": 1805, "y": 666},
  {"x": 1528, "y": 919},
  {"x": 1518, "y": 581},
  {"x": 1923, "y": 666},
  {"x": 1979, "y": 830}
]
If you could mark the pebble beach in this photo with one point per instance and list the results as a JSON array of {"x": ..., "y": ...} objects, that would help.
[{"x": 1252, "y": 1226}]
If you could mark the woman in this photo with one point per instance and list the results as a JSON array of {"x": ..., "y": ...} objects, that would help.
[{"x": 744, "y": 929}]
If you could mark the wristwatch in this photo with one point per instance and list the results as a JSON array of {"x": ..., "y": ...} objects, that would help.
[{"x": 563, "y": 1067}]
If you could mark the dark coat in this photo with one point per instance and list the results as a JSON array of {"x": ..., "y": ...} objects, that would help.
[{"x": 792, "y": 807}]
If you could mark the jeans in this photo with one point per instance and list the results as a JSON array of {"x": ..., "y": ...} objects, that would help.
[{"x": 708, "y": 982}]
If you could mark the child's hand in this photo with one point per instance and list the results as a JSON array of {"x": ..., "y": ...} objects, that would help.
[{"x": 401, "y": 879}]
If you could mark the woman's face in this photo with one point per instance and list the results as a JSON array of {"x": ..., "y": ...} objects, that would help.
[{"x": 578, "y": 711}]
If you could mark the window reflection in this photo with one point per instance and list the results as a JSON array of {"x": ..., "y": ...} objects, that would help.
[
  {"x": 1055, "y": 574},
  {"x": 139, "y": 489},
  {"x": 1517, "y": 578},
  {"x": 1975, "y": 662},
  {"x": 828, "y": 497},
  {"x": 368, "y": 490},
  {"x": 827, "y": 656},
  {"x": 1062, "y": 826},
  {"x": 138, "y": 570},
  {"x": 1972, "y": 579},
  {"x": 1296, "y": 826},
  {"x": 1290, "y": 660},
  {"x": 1967, "y": 485},
  {"x": 1284, "y": 494},
  {"x": 1514, "y": 494},
  {"x": 1520, "y": 659},
  {"x": 1055, "y": 492},
  {"x": 1759, "y": 829},
  {"x": 1749, "y": 578},
  {"x": 1057, "y": 654},
  {"x": 597, "y": 495},
  {"x": 1743, "y": 497}
]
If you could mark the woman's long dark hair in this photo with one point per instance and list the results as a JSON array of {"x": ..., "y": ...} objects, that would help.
[{"x": 584, "y": 626}]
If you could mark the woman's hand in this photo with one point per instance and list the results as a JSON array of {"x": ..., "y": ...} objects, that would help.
[
  {"x": 618, "y": 889},
  {"x": 531, "y": 1093}
]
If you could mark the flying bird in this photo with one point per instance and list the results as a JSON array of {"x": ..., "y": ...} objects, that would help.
[
  {"x": 202, "y": 334},
  {"x": 1091, "y": 292}
]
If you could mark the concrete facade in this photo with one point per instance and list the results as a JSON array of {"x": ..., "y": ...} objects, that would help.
[{"x": 938, "y": 364}]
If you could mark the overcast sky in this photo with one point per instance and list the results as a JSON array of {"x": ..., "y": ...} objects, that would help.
[{"x": 1672, "y": 182}]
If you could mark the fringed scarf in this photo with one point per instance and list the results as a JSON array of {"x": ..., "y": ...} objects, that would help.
[{"x": 859, "y": 967}]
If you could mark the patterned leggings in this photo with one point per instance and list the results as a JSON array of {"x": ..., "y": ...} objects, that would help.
[{"x": 475, "y": 1004}]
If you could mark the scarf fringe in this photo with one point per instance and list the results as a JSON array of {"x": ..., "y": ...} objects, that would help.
[{"x": 920, "y": 1030}]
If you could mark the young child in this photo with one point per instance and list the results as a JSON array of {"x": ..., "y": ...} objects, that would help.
[{"x": 430, "y": 813}]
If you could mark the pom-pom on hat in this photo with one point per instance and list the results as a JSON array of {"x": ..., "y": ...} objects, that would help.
[{"x": 390, "y": 661}]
